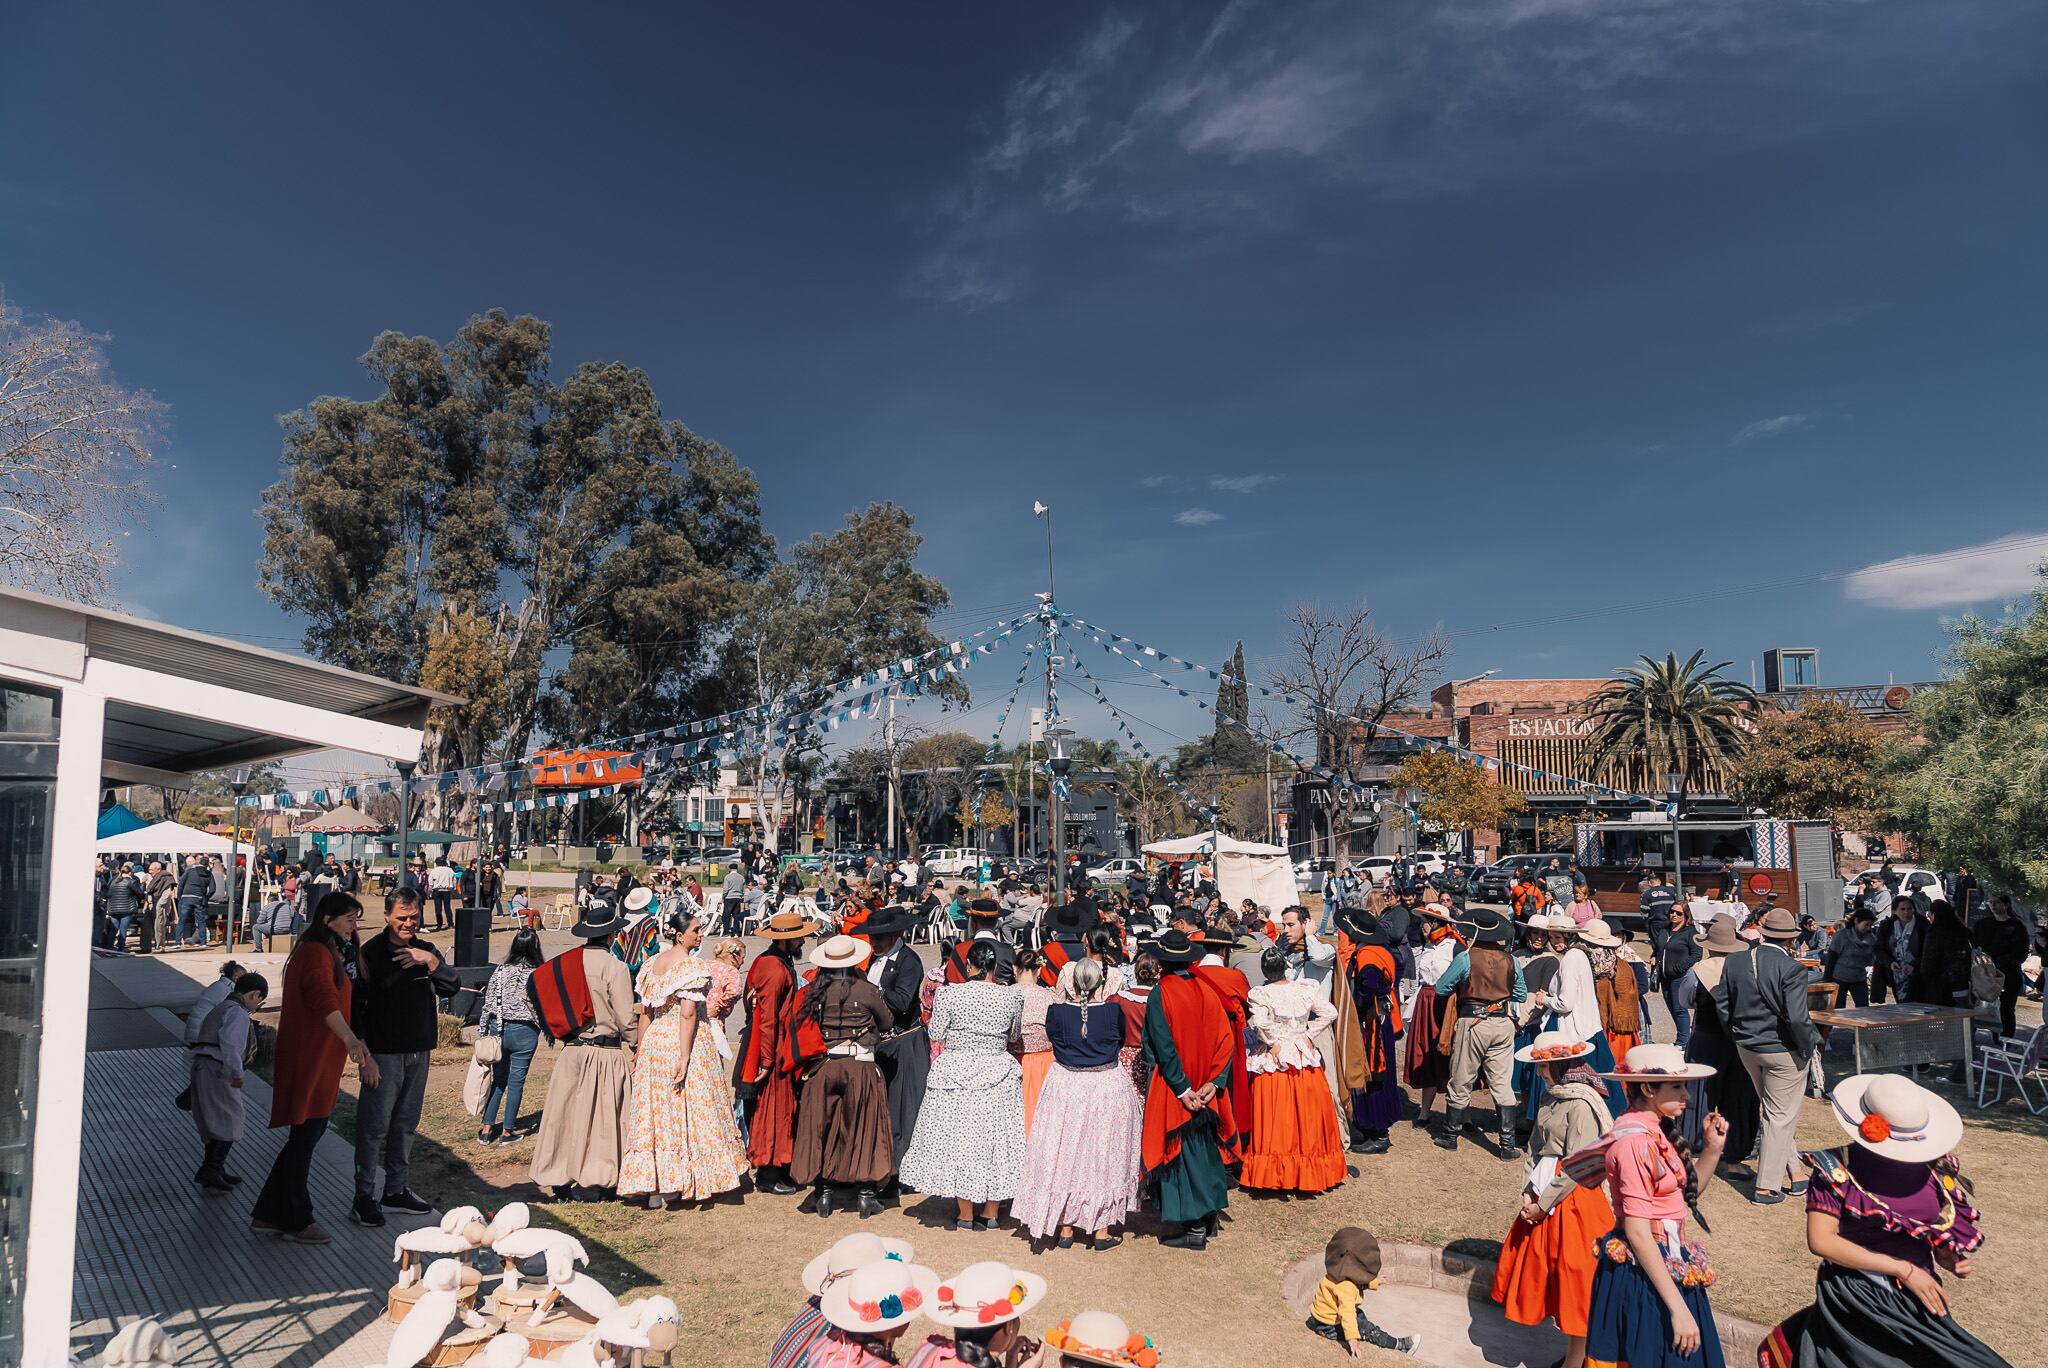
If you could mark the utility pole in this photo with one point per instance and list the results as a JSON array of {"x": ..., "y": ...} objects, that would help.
[{"x": 895, "y": 774}]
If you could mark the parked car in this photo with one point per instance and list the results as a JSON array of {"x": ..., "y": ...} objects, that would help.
[
  {"x": 1021, "y": 868},
  {"x": 809, "y": 864},
  {"x": 951, "y": 862},
  {"x": 1115, "y": 871},
  {"x": 1313, "y": 875},
  {"x": 1493, "y": 883},
  {"x": 1913, "y": 880},
  {"x": 719, "y": 855}
]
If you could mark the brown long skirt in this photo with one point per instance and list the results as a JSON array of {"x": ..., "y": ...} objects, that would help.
[
  {"x": 842, "y": 1125},
  {"x": 583, "y": 1123}
]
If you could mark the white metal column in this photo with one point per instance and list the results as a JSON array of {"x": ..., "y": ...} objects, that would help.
[{"x": 60, "y": 1067}]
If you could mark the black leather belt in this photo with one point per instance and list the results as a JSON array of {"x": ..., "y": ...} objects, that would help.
[
  {"x": 1468, "y": 1011},
  {"x": 599, "y": 1042}
]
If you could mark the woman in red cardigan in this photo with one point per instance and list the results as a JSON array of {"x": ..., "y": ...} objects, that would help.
[{"x": 313, "y": 1042}]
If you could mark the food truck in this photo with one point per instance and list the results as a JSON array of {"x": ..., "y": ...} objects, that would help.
[{"x": 1793, "y": 858}]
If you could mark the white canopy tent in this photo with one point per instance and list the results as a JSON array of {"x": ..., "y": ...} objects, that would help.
[
  {"x": 1244, "y": 869},
  {"x": 166, "y": 838}
]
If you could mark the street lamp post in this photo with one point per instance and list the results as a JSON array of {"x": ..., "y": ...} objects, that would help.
[
  {"x": 1061, "y": 766},
  {"x": 1674, "y": 793},
  {"x": 239, "y": 785},
  {"x": 405, "y": 769}
]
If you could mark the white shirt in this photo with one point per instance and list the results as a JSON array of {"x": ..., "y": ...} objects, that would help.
[
  {"x": 1573, "y": 999},
  {"x": 210, "y": 997},
  {"x": 878, "y": 963},
  {"x": 1318, "y": 968}
]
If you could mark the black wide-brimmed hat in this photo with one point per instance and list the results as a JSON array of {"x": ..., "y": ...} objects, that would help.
[
  {"x": 1177, "y": 949},
  {"x": 599, "y": 920},
  {"x": 984, "y": 907},
  {"x": 1076, "y": 916},
  {"x": 892, "y": 920},
  {"x": 1490, "y": 927}
]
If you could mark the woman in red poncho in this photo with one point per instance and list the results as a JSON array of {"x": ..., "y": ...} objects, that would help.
[{"x": 314, "y": 1041}]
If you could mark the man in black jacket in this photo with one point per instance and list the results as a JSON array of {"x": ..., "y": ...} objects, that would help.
[
  {"x": 1762, "y": 999},
  {"x": 2003, "y": 937},
  {"x": 398, "y": 997},
  {"x": 905, "y": 1051}
]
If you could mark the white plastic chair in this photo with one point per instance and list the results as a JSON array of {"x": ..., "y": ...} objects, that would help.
[{"x": 2018, "y": 1059}]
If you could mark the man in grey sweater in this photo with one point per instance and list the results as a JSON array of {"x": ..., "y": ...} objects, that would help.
[{"x": 1762, "y": 998}]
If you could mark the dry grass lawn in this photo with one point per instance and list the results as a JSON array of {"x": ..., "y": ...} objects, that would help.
[{"x": 733, "y": 1268}]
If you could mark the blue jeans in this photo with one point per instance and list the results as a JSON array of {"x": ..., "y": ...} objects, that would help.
[
  {"x": 386, "y": 1117},
  {"x": 508, "y": 1079},
  {"x": 122, "y": 925},
  {"x": 1678, "y": 1000},
  {"x": 191, "y": 920}
]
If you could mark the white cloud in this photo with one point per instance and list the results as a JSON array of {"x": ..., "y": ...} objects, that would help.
[
  {"x": 1196, "y": 517},
  {"x": 1156, "y": 481},
  {"x": 2001, "y": 569},
  {"x": 1241, "y": 484},
  {"x": 1202, "y": 130},
  {"x": 1772, "y": 427}
]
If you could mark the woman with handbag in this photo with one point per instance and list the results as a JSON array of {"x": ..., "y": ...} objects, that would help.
[{"x": 507, "y": 1038}]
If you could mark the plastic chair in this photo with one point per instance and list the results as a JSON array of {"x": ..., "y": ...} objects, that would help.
[{"x": 2018, "y": 1059}]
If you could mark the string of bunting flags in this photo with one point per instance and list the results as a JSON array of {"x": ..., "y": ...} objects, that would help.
[
  {"x": 1338, "y": 781},
  {"x": 1144, "y": 752},
  {"x": 1476, "y": 758},
  {"x": 995, "y": 740},
  {"x": 906, "y": 678}
]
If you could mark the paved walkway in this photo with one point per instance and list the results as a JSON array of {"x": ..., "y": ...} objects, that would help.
[{"x": 153, "y": 1243}]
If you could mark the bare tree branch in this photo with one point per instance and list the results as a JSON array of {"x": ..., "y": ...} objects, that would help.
[{"x": 72, "y": 444}]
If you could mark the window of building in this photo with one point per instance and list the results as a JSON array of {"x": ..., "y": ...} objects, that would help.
[
  {"x": 1801, "y": 669},
  {"x": 714, "y": 810},
  {"x": 28, "y": 790}
]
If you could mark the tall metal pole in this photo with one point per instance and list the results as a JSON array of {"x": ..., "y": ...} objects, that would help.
[
  {"x": 895, "y": 776},
  {"x": 405, "y": 769}
]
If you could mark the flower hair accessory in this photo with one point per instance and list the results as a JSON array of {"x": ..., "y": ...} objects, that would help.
[
  {"x": 889, "y": 1307},
  {"x": 1874, "y": 1128}
]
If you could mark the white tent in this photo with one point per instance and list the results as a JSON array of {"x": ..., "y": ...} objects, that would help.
[
  {"x": 166, "y": 838},
  {"x": 1244, "y": 869}
]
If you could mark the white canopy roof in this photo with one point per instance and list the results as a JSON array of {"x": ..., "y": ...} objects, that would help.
[
  {"x": 1212, "y": 842},
  {"x": 167, "y": 838}
]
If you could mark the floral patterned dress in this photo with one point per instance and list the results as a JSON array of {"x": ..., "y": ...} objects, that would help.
[{"x": 679, "y": 1142}]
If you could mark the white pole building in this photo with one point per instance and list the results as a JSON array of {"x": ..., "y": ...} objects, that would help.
[{"x": 90, "y": 698}]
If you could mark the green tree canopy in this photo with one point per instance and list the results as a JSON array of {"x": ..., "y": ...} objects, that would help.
[
  {"x": 1822, "y": 760},
  {"x": 477, "y": 523},
  {"x": 1452, "y": 795},
  {"x": 1975, "y": 790}
]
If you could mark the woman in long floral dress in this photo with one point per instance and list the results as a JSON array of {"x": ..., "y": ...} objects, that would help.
[{"x": 682, "y": 1143}]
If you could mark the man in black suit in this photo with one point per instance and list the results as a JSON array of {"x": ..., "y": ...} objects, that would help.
[
  {"x": 904, "y": 1052},
  {"x": 982, "y": 916},
  {"x": 1067, "y": 927}
]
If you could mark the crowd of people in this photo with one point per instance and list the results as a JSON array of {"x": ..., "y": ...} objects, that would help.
[{"x": 1065, "y": 1070}]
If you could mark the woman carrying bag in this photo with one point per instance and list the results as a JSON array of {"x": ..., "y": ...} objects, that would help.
[{"x": 506, "y": 1040}]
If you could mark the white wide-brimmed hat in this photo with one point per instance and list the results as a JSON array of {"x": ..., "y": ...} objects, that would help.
[
  {"x": 1598, "y": 932},
  {"x": 841, "y": 952},
  {"x": 1658, "y": 1064},
  {"x": 849, "y": 1256},
  {"x": 1554, "y": 921},
  {"x": 1553, "y": 1047},
  {"x": 1099, "y": 1337},
  {"x": 637, "y": 900},
  {"x": 1891, "y": 1115},
  {"x": 985, "y": 1294},
  {"x": 879, "y": 1297}
]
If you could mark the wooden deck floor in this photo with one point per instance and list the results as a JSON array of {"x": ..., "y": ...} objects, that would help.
[{"x": 153, "y": 1243}]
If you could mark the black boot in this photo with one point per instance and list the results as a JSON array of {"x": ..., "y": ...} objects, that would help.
[
  {"x": 1508, "y": 1148},
  {"x": 211, "y": 1176},
  {"x": 824, "y": 1199},
  {"x": 1454, "y": 1121},
  {"x": 225, "y": 1146},
  {"x": 774, "y": 1180},
  {"x": 1190, "y": 1238},
  {"x": 1380, "y": 1339},
  {"x": 868, "y": 1203}
]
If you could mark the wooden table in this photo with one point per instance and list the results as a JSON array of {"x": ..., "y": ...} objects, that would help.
[{"x": 1906, "y": 1033}]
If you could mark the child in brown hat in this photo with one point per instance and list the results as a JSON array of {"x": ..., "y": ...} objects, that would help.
[{"x": 1351, "y": 1267}]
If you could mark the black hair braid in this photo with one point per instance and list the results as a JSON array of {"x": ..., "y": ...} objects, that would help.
[
  {"x": 981, "y": 956},
  {"x": 1669, "y": 1126},
  {"x": 971, "y": 1347}
]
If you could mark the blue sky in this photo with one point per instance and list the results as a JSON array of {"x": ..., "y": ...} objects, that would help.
[{"x": 1497, "y": 313}]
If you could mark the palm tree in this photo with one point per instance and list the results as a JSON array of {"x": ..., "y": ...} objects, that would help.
[{"x": 1669, "y": 717}]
